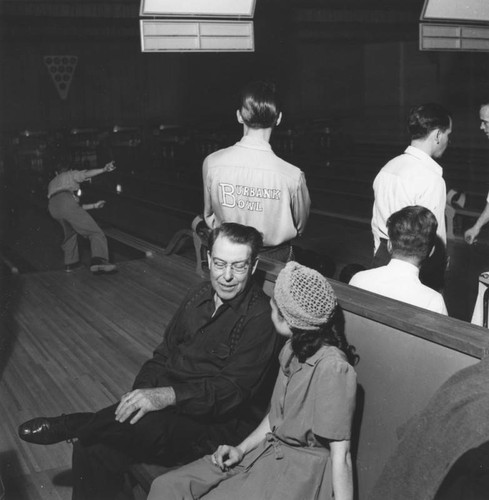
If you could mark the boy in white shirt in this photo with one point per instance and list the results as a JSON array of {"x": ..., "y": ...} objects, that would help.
[{"x": 412, "y": 234}]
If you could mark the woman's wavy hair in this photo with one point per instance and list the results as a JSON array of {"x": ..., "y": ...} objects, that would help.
[{"x": 305, "y": 343}]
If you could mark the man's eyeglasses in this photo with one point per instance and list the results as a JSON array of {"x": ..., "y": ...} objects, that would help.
[{"x": 240, "y": 267}]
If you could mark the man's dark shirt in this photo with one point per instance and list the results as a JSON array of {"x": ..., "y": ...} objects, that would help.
[{"x": 211, "y": 370}]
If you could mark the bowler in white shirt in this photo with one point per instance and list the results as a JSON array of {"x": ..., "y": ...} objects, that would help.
[{"x": 412, "y": 234}]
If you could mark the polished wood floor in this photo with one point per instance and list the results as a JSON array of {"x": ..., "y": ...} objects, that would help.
[{"x": 73, "y": 342}]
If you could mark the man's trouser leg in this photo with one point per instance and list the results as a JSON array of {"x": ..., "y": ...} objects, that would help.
[
  {"x": 107, "y": 448},
  {"x": 282, "y": 253},
  {"x": 64, "y": 206},
  {"x": 84, "y": 225},
  {"x": 70, "y": 243},
  {"x": 382, "y": 256},
  {"x": 432, "y": 272},
  {"x": 58, "y": 208},
  {"x": 98, "y": 472}
]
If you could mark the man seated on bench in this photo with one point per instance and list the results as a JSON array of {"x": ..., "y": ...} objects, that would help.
[
  {"x": 412, "y": 235},
  {"x": 209, "y": 381},
  {"x": 249, "y": 184}
]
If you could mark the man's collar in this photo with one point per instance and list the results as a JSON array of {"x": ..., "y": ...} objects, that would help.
[
  {"x": 425, "y": 158},
  {"x": 254, "y": 143},
  {"x": 236, "y": 303},
  {"x": 243, "y": 298},
  {"x": 403, "y": 265},
  {"x": 206, "y": 294}
]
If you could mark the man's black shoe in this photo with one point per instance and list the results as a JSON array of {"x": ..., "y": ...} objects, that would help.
[
  {"x": 52, "y": 430},
  {"x": 69, "y": 268}
]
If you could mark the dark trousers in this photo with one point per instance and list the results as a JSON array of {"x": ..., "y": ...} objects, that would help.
[
  {"x": 432, "y": 272},
  {"x": 282, "y": 253},
  {"x": 382, "y": 256},
  {"x": 106, "y": 448},
  {"x": 75, "y": 220}
]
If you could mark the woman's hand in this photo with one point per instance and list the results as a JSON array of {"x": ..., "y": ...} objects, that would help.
[{"x": 227, "y": 456}]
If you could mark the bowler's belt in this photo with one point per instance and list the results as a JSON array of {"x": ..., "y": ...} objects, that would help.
[{"x": 59, "y": 192}]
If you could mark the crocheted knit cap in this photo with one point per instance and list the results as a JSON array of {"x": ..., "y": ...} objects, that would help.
[{"x": 304, "y": 297}]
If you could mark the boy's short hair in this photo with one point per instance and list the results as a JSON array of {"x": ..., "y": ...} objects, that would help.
[
  {"x": 412, "y": 232},
  {"x": 259, "y": 105}
]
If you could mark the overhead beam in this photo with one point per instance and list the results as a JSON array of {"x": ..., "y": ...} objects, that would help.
[
  {"x": 370, "y": 16},
  {"x": 70, "y": 8},
  {"x": 48, "y": 29}
]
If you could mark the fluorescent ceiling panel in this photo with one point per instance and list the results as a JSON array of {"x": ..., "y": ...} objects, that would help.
[
  {"x": 200, "y": 8},
  {"x": 469, "y": 38},
  {"x": 456, "y": 10},
  {"x": 158, "y": 35}
]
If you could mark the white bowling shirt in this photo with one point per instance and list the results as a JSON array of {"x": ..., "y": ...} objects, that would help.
[
  {"x": 412, "y": 178},
  {"x": 248, "y": 184},
  {"x": 399, "y": 280}
]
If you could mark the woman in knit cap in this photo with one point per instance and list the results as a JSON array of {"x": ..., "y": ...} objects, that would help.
[{"x": 310, "y": 415}]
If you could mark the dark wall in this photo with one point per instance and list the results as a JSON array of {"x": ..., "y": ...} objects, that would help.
[
  {"x": 112, "y": 83},
  {"x": 115, "y": 83},
  {"x": 397, "y": 76},
  {"x": 368, "y": 84}
]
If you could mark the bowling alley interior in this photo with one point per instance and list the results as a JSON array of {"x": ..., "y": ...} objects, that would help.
[{"x": 152, "y": 88}]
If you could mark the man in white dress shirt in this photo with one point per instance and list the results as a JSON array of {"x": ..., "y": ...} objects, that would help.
[
  {"x": 414, "y": 178},
  {"x": 412, "y": 234},
  {"x": 472, "y": 233}
]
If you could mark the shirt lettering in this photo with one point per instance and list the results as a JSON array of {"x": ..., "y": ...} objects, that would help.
[{"x": 239, "y": 196}]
